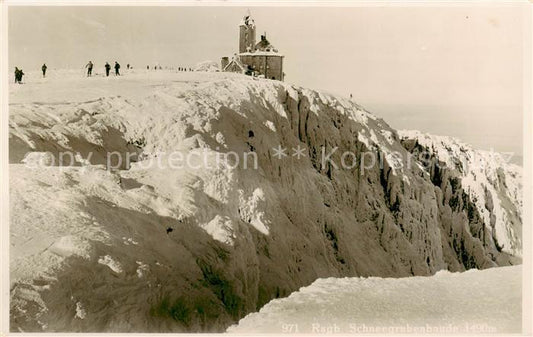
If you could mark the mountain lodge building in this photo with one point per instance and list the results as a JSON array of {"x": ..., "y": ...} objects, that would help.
[{"x": 255, "y": 59}]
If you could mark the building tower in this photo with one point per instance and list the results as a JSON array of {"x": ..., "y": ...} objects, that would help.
[{"x": 247, "y": 34}]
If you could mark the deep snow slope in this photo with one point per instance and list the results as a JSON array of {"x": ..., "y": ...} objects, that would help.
[
  {"x": 443, "y": 303},
  {"x": 89, "y": 244}
]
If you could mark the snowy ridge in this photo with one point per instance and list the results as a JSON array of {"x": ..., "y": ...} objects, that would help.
[{"x": 492, "y": 182}]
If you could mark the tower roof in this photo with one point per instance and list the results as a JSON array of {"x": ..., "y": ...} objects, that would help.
[
  {"x": 265, "y": 45},
  {"x": 247, "y": 20}
]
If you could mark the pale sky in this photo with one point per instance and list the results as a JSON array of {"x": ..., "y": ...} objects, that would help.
[{"x": 446, "y": 70}]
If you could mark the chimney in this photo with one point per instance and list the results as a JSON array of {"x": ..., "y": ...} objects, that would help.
[{"x": 224, "y": 62}]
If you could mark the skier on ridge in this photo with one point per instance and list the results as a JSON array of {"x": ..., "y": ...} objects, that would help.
[
  {"x": 117, "y": 67},
  {"x": 89, "y": 67},
  {"x": 107, "y": 68},
  {"x": 43, "y": 68}
]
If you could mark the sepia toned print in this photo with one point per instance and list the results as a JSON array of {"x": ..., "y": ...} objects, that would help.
[{"x": 259, "y": 169}]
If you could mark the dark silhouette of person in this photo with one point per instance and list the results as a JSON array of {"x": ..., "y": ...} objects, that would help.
[
  {"x": 43, "y": 68},
  {"x": 107, "y": 68},
  {"x": 89, "y": 67},
  {"x": 147, "y": 67},
  {"x": 128, "y": 66},
  {"x": 18, "y": 75},
  {"x": 117, "y": 67}
]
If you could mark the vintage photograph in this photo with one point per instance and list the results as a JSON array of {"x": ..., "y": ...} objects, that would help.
[{"x": 243, "y": 167}]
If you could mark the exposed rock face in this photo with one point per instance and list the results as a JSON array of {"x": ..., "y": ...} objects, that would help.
[
  {"x": 481, "y": 183},
  {"x": 357, "y": 203}
]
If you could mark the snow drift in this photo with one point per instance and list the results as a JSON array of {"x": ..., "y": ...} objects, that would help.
[
  {"x": 90, "y": 250},
  {"x": 209, "y": 66},
  {"x": 443, "y": 303}
]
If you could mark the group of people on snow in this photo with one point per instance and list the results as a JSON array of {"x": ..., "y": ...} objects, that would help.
[
  {"x": 158, "y": 67},
  {"x": 19, "y": 73},
  {"x": 107, "y": 67}
]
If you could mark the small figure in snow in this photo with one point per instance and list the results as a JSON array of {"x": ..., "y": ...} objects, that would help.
[
  {"x": 147, "y": 67},
  {"x": 128, "y": 66},
  {"x": 18, "y": 75},
  {"x": 351, "y": 96},
  {"x": 117, "y": 67},
  {"x": 89, "y": 67},
  {"x": 43, "y": 68},
  {"x": 107, "y": 68},
  {"x": 169, "y": 230}
]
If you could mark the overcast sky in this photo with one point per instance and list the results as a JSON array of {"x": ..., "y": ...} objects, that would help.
[{"x": 447, "y": 70}]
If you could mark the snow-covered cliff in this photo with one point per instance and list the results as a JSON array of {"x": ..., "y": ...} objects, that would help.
[
  {"x": 195, "y": 198},
  {"x": 487, "y": 177}
]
